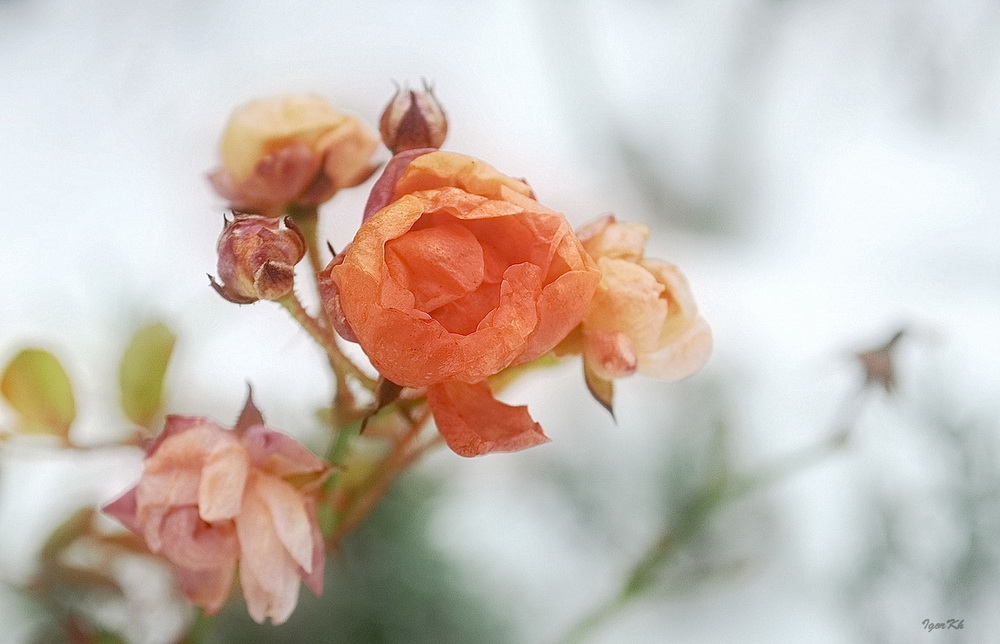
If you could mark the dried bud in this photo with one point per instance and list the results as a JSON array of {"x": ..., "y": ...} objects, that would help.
[
  {"x": 879, "y": 363},
  {"x": 413, "y": 120},
  {"x": 257, "y": 258}
]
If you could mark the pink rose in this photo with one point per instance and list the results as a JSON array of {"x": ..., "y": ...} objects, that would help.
[{"x": 211, "y": 498}]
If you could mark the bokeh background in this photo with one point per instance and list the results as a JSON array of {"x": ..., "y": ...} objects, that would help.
[{"x": 824, "y": 171}]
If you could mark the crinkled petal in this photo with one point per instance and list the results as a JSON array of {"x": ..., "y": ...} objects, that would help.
[
  {"x": 474, "y": 423},
  {"x": 449, "y": 169},
  {"x": 382, "y": 192},
  {"x": 561, "y": 306}
]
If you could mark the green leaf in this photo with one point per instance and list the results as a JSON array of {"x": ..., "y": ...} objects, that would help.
[
  {"x": 37, "y": 387},
  {"x": 143, "y": 366}
]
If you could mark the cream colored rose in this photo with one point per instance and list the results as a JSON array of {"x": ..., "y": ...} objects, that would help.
[
  {"x": 295, "y": 149},
  {"x": 643, "y": 317}
]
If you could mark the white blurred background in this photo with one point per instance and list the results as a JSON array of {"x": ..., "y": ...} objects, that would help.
[{"x": 825, "y": 172}]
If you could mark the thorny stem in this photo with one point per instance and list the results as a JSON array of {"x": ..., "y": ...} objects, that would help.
[
  {"x": 307, "y": 219},
  {"x": 325, "y": 338},
  {"x": 391, "y": 467},
  {"x": 716, "y": 496}
]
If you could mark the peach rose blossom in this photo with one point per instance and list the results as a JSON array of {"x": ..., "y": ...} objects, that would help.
[
  {"x": 211, "y": 498},
  {"x": 643, "y": 317},
  {"x": 461, "y": 275},
  {"x": 295, "y": 149}
]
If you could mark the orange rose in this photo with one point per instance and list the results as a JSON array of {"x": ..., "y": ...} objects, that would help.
[{"x": 462, "y": 275}]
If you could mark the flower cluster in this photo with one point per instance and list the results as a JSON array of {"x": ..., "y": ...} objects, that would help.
[{"x": 456, "y": 274}]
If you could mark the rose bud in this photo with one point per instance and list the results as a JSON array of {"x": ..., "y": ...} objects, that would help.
[
  {"x": 257, "y": 258},
  {"x": 291, "y": 150},
  {"x": 413, "y": 120}
]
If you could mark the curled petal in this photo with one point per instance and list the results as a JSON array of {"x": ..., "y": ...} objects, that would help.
[
  {"x": 208, "y": 588},
  {"x": 382, "y": 192},
  {"x": 606, "y": 237},
  {"x": 609, "y": 354},
  {"x": 281, "y": 455},
  {"x": 268, "y": 576},
  {"x": 195, "y": 544},
  {"x": 450, "y": 170},
  {"x": 629, "y": 300},
  {"x": 223, "y": 479},
  {"x": 289, "y": 518},
  {"x": 681, "y": 353},
  {"x": 474, "y": 423},
  {"x": 124, "y": 509}
]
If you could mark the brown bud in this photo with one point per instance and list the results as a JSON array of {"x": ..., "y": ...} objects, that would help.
[
  {"x": 257, "y": 258},
  {"x": 413, "y": 120}
]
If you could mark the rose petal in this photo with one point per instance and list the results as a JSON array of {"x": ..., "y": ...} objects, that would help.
[
  {"x": 683, "y": 353},
  {"x": 288, "y": 516},
  {"x": 438, "y": 265},
  {"x": 268, "y": 576},
  {"x": 223, "y": 478},
  {"x": 124, "y": 509},
  {"x": 609, "y": 354},
  {"x": 191, "y": 543},
  {"x": 281, "y": 455},
  {"x": 628, "y": 300},
  {"x": 474, "y": 423},
  {"x": 448, "y": 169},
  {"x": 381, "y": 193},
  {"x": 314, "y": 578},
  {"x": 207, "y": 588}
]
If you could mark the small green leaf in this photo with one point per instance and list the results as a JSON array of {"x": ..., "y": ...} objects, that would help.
[
  {"x": 143, "y": 366},
  {"x": 37, "y": 387}
]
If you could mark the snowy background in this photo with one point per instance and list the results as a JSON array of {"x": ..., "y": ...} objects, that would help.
[{"x": 825, "y": 172}]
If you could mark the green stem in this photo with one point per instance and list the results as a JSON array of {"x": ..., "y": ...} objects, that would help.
[
  {"x": 325, "y": 338},
  {"x": 200, "y": 627},
  {"x": 716, "y": 496},
  {"x": 307, "y": 219},
  {"x": 362, "y": 503}
]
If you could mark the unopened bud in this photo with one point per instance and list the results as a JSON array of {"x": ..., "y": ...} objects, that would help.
[
  {"x": 413, "y": 119},
  {"x": 257, "y": 258}
]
